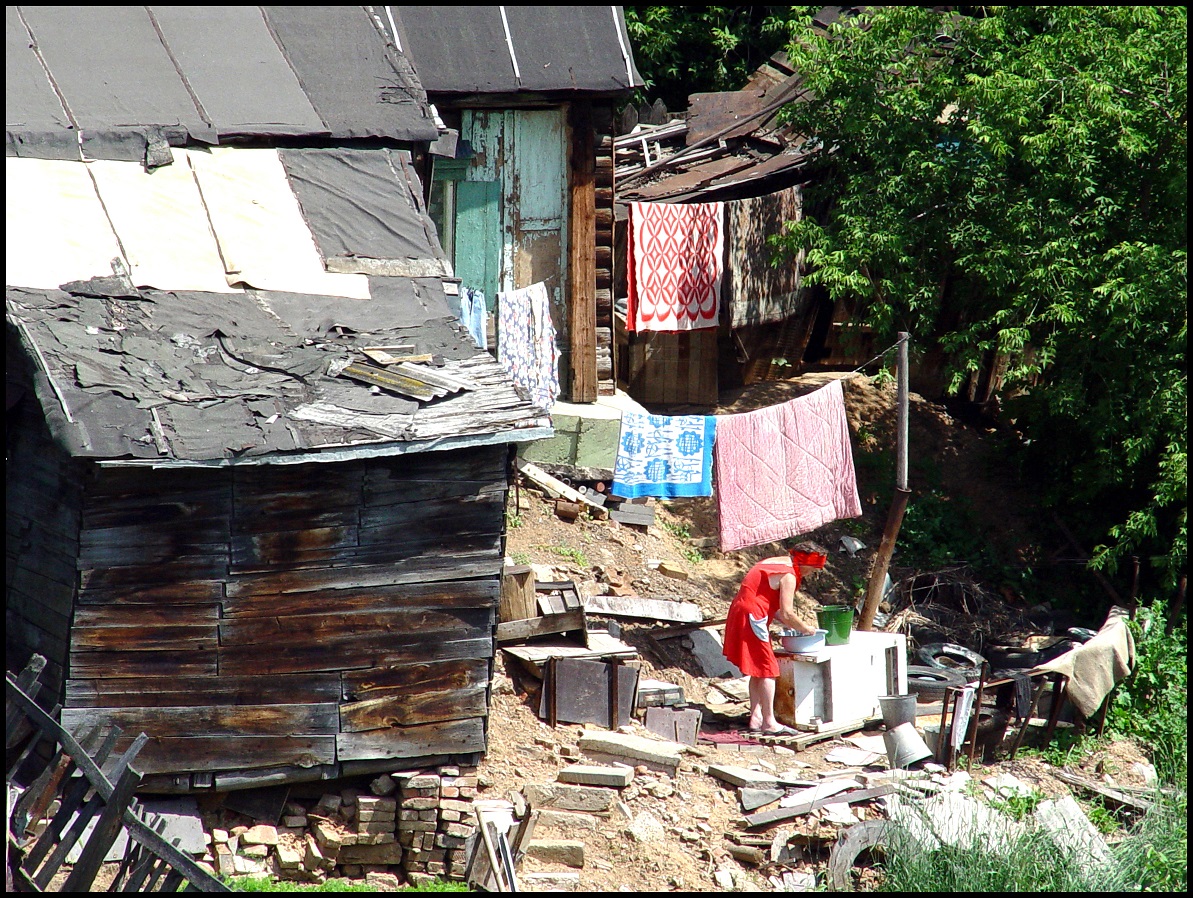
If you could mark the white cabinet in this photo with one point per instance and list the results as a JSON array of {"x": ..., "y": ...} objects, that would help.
[{"x": 841, "y": 683}]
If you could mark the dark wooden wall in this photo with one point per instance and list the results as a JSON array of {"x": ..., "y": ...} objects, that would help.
[
  {"x": 43, "y": 493},
  {"x": 289, "y": 621}
]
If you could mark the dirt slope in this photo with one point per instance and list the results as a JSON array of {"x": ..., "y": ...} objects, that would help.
[{"x": 682, "y": 823}]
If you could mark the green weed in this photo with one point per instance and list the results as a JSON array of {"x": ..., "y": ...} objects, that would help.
[
  {"x": 1152, "y": 704},
  {"x": 513, "y": 520},
  {"x": 680, "y": 531},
  {"x": 572, "y": 554},
  {"x": 1018, "y": 807},
  {"x": 266, "y": 884},
  {"x": 520, "y": 557}
]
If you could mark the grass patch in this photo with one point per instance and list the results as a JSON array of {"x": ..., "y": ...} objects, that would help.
[
  {"x": 568, "y": 552},
  {"x": 1151, "y": 856},
  {"x": 265, "y": 884}
]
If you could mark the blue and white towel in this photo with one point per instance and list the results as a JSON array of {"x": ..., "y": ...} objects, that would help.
[
  {"x": 526, "y": 343},
  {"x": 474, "y": 315},
  {"x": 660, "y": 455}
]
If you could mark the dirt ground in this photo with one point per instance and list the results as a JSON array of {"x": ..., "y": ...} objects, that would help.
[{"x": 695, "y": 812}]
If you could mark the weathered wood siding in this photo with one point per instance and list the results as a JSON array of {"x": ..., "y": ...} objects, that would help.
[
  {"x": 42, "y": 502},
  {"x": 286, "y": 618},
  {"x": 605, "y": 360}
]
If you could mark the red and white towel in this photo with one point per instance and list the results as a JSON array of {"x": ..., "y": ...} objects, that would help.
[
  {"x": 784, "y": 470},
  {"x": 675, "y": 266}
]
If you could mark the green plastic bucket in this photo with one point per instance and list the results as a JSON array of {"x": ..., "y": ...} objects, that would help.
[{"x": 838, "y": 620}]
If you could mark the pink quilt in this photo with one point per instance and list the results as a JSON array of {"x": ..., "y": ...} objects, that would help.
[
  {"x": 675, "y": 265},
  {"x": 784, "y": 470}
]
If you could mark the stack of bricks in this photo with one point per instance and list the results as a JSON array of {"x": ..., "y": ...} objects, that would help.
[{"x": 435, "y": 819}]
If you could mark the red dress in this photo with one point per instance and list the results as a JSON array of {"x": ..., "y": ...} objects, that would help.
[{"x": 755, "y": 598}]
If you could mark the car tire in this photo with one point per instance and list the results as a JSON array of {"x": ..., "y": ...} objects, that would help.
[
  {"x": 950, "y": 656},
  {"x": 931, "y": 683}
]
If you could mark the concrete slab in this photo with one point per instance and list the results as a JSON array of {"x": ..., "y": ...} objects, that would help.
[{"x": 709, "y": 652}]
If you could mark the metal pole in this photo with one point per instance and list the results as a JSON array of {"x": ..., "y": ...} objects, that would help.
[{"x": 890, "y": 533}]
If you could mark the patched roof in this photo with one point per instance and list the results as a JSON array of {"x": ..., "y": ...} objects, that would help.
[
  {"x": 173, "y": 377},
  {"x": 244, "y": 303},
  {"x": 513, "y": 49},
  {"x": 114, "y": 78}
]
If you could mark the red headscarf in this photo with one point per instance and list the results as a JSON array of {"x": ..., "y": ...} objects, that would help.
[{"x": 800, "y": 559}]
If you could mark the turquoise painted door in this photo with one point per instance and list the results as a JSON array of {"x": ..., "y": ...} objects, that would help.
[{"x": 478, "y": 236}]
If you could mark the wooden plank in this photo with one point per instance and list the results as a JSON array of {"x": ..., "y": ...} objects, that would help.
[
  {"x": 282, "y": 545},
  {"x": 176, "y": 754},
  {"x": 557, "y": 488},
  {"x": 418, "y": 706},
  {"x": 402, "y": 548},
  {"x": 186, "y": 593},
  {"x": 766, "y": 818},
  {"x": 356, "y": 652},
  {"x": 178, "y": 570},
  {"x": 443, "y": 595},
  {"x": 419, "y": 569},
  {"x": 521, "y": 630},
  {"x": 94, "y": 616},
  {"x": 138, "y": 558},
  {"x": 581, "y": 251},
  {"x": 517, "y": 600},
  {"x": 189, "y": 637},
  {"x": 402, "y": 679},
  {"x": 645, "y": 609},
  {"x": 375, "y": 623},
  {"x": 92, "y": 665},
  {"x": 452, "y": 737},
  {"x": 211, "y": 720},
  {"x": 218, "y": 690}
]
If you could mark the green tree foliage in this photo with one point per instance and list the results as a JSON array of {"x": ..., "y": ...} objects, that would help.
[
  {"x": 1014, "y": 180},
  {"x": 681, "y": 50}
]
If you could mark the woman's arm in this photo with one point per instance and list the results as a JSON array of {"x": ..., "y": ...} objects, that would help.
[{"x": 786, "y": 614}]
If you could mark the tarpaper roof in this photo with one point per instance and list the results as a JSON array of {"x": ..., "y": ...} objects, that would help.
[
  {"x": 217, "y": 308},
  {"x": 116, "y": 77},
  {"x": 204, "y": 377},
  {"x": 513, "y": 49}
]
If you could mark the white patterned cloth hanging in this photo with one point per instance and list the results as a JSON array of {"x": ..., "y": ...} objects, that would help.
[
  {"x": 661, "y": 455},
  {"x": 526, "y": 342}
]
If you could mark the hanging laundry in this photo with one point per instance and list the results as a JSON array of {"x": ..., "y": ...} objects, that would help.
[
  {"x": 784, "y": 470},
  {"x": 474, "y": 315},
  {"x": 664, "y": 456},
  {"x": 526, "y": 342},
  {"x": 675, "y": 266}
]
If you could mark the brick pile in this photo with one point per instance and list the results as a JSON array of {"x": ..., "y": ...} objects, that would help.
[{"x": 435, "y": 819}]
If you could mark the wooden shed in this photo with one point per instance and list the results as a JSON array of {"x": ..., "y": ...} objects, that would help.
[
  {"x": 527, "y": 195},
  {"x": 256, "y": 467}
]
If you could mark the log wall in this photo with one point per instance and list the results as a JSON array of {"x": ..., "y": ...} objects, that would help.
[{"x": 282, "y": 620}]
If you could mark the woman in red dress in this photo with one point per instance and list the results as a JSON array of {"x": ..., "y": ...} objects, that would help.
[{"x": 767, "y": 593}]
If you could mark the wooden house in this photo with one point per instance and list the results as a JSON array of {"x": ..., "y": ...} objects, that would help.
[
  {"x": 527, "y": 196},
  {"x": 256, "y": 467}
]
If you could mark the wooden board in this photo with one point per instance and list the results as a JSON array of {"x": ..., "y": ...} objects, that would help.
[
  {"x": 547, "y": 625},
  {"x": 582, "y": 692},
  {"x": 222, "y": 753},
  {"x": 209, "y": 720},
  {"x": 415, "y": 706},
  {"x": 674, "y": 368},
  {"x": 214, "y": 690},
  {"x": 453, "y": 737}
]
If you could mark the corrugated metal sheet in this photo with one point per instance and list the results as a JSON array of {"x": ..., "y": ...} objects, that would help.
[
  {"x": 201, "y": 74},
  {"x": 507, "y": 49}
]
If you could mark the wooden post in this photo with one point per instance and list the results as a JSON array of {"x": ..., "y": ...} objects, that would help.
[
  {"x": 582, "y": 254},
  {"x": 882, "y": 560},
  {"x": 1174, "y": 607}
]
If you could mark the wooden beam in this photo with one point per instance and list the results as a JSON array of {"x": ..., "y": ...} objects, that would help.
[
  {"x": 520, "y": 630},
  {"x": 582, "y": 254}
]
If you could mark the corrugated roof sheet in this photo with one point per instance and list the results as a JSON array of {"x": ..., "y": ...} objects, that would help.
[
  {"x": 509, "y": 49},
  {"x": 201, "y": 74}
]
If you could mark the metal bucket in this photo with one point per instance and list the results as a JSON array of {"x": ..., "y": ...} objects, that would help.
[
  {"x": 905, "y": 745},
  {"x": 897, "y": 709},
  {"x": 838, "y": 621}
]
